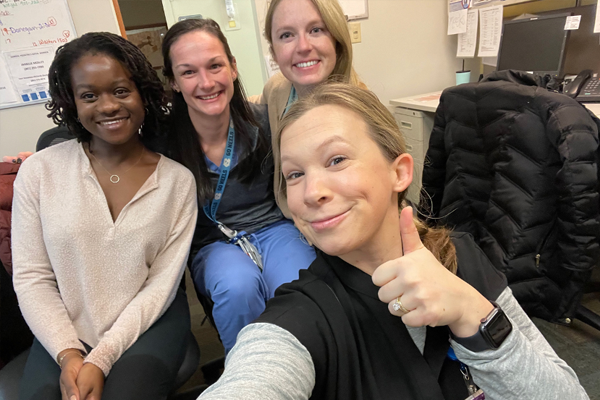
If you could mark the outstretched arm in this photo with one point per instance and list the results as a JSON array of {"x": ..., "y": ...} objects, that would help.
[
  {"x": 524, "y": 366},
  {"x": 267, "y": 362}
]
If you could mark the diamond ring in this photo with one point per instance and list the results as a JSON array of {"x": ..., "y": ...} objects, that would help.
[{"x": 397, "y": 306}]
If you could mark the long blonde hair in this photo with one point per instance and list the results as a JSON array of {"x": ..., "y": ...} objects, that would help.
[
  {"x": 335, "y": 21},
  {"x": 384, "y": 131}
]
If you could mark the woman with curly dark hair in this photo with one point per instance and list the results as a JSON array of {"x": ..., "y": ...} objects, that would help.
[{"x": 101, "y": 233}]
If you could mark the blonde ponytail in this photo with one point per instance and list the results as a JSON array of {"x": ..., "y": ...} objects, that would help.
[{"x": 438, "y": 242}]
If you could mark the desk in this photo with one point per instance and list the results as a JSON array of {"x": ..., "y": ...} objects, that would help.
[
  {"x": 414, "y": 116},
  {"x": 427, "y": 102},
  {"x": 593, "y": 107}
]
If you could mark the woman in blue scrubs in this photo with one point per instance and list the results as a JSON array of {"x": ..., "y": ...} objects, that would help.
[{"x": 243, "y": 247}]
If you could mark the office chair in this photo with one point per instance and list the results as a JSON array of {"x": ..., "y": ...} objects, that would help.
[{"x": 515, "y": 165}]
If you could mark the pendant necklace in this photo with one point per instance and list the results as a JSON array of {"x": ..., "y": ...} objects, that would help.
[{"x": 114, "y": 178}]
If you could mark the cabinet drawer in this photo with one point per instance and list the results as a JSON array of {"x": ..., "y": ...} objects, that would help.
[
  {"x": 415, "y": 148},
  {"x": 410, "y": 126}
]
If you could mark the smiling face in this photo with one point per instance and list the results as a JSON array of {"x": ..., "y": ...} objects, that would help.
[
  {"x": 202, "y": 73},
  {"x": 341, "y": 189},
  {"x": 108, "y": 103},
  {"x": 302, "y": 45}
]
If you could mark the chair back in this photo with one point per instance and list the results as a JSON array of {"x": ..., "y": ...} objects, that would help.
[
  {"x": 515, "y": 165},
  {"x": 53, "y": 136}
]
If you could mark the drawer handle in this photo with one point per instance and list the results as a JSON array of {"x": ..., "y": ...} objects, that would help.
[
  {"x": 409, "y": 147},
  {"x": 407, "y": 125}
]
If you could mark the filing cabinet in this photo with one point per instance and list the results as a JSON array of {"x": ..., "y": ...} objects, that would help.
[{"x": 416, "y": 128}]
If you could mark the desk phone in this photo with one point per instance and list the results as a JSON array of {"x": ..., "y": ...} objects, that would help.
[{"x": 585, "y": 88}]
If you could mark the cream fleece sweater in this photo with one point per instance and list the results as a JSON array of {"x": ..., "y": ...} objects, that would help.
[
  {"x": 79, "y": 276},
  {"x": 275, "y": 94}
]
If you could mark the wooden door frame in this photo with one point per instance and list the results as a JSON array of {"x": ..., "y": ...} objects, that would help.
[{"x": 119, "y": 18}]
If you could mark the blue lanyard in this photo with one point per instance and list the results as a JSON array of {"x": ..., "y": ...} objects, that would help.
[
  {"x": 291, "y": 100},
  {"x": 474, "y": 392},
  {"x": 210, "y": 208}
]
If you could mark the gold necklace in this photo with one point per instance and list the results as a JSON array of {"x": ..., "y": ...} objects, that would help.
[{"x": 114, "y": 178}]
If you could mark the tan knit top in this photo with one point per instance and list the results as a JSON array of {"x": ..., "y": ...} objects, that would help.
[{"x": 78, "y": 275}]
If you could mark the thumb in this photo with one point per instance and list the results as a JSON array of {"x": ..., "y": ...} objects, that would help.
[
  {"x": 408, "y": 232},
  {"x": 71, "y": 390}
]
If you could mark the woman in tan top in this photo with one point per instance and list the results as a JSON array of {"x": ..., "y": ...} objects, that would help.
[
  {"x": 101, "y": 232},
  {"x": 310, "y": 41}
]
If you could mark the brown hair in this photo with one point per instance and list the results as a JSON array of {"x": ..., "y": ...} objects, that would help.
[
  {"x": 335, "y": 21},
  {"x": 385, "y": 133},
  {"x": 183, "y": 141}
]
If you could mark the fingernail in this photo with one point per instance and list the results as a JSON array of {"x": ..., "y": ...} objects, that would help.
[{"x": 73, "y": 397}]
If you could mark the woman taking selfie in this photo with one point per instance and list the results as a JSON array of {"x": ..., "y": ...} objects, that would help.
[{"x": 390, "y": 309}]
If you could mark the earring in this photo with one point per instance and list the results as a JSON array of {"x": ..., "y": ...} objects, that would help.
[{"x": 141, "y": 126}]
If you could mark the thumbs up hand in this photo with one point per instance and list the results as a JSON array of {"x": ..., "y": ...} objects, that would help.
[{"x": 423, "y": 292}]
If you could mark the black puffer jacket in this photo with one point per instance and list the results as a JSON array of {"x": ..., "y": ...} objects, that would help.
[{"x": 515, "y": 165}]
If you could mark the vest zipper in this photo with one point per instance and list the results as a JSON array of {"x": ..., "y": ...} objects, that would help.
[{"x": 538, "y": 256}]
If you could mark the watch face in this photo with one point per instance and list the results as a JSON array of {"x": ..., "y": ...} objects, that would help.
[{"x": 496, "y": 328}]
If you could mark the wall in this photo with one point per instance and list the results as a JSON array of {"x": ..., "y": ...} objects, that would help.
[
  {"x": 244, "y": 43},
  {"x": 261, "y": 7},
  {"x": 20, "y": 127},
  {"x": 405, "y": 49}
]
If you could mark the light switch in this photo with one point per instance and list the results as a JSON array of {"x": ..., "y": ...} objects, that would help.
[
  {"x": 233, "y": 25},
  {"x": 355, "y": 32}
]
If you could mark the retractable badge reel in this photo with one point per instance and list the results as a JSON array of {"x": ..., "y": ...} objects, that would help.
[{"x": 243, "y": 242}]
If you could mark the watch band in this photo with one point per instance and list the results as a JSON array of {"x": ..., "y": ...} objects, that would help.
[{"x": 493, "y": 330}]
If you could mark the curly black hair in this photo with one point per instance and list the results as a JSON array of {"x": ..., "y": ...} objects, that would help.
[{"x": 63, "y": 110}]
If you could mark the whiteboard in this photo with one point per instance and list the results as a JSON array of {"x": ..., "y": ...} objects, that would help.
[
  {"x": 31, "y": 31},
  {"x": 355, "y": 9}
]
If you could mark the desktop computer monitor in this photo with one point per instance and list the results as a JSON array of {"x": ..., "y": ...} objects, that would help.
[{"x": 535, "y": 44}]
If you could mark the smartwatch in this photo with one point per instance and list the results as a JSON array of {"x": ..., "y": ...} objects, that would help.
[{"x": 493, "y": 330}]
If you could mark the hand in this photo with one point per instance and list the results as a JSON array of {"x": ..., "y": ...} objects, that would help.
[
  {"x": 90, "y": 382},
  {"x": 21, "y": 156},
  {"x": 71, "y": 365},
  {"x": 433, "y": 295}
]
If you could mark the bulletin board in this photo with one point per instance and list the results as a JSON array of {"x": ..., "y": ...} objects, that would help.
[
  {"x": 31, "y": 31},
  {"x": 355, "y": 9}
]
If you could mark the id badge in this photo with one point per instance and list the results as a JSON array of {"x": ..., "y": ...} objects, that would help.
[{"x": 478, "y": 395}]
